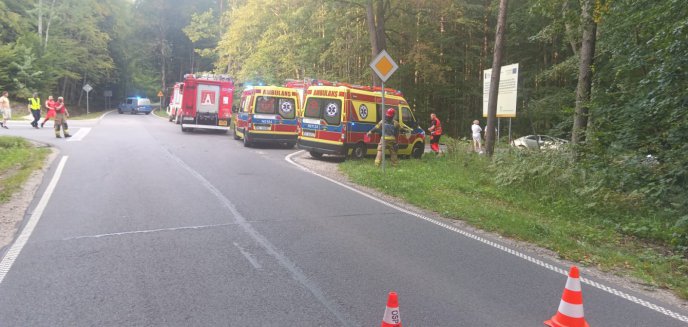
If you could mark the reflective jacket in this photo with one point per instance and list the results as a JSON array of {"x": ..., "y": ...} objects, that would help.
[
  {"x": 438, "y": 127},
  {"x": 35, "y": 103}
]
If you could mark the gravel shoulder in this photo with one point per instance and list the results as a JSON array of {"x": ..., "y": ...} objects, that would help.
[{"x": 328, "y": 166}]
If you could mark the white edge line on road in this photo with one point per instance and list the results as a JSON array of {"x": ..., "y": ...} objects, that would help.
[
  {"x": 83, "y": 131},
  {"x": 26, "y": 232},
  {"x": 521, "y": 255}
]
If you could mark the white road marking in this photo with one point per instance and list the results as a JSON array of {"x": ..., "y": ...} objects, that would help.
[
  {"x": 80, "y": 134},
  {"x": 171, "y": 229},
  {"x": 285, "y": 262},
  {"x": 19, "y": 243},
  {"x": 249, "y": 257},
  {"x": 521, "y": 255}
]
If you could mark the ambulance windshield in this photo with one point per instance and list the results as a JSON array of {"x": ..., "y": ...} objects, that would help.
[{"x": 272, "y": 105}]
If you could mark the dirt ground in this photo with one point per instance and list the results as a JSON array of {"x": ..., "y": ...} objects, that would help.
[{"x": 328, "y": 167}]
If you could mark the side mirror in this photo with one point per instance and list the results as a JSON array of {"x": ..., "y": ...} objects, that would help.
[{"x": 235, "y": 109}]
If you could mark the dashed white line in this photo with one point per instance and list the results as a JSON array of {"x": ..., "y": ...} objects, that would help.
[
  {"x": 19, "y": 243},
  {"x": 249, "y": 257},
  {"x": 501, "y": 247}
]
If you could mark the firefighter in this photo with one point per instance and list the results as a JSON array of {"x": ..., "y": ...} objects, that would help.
[
  {"x": 435, "y": 130},
  {"x": 35, "y": 107},
  {"x": 390, "y": 130},
  {"x": 61, "y": 115}
]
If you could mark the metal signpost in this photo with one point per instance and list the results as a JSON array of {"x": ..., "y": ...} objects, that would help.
[
  {"x": 384, "y": 66},
  {"x": 87, "y": 88},
  {"x": 160, "y": 95},
  {"x": 508, "y": 93},
  {"x": 108, "y": 95}
]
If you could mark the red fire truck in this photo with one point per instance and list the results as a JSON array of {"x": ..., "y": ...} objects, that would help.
[
  {"x": 206, "y": 103},
  {"x": 175, "y": 103}
]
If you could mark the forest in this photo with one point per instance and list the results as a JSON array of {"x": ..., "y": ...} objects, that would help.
[{"x": 632, "y": 142}]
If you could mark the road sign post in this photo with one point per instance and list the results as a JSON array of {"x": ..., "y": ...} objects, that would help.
[
  {"x": 88, "y": 88},
  {"x": 160, "y": 95},
  {"x": 384, "y": 66}
]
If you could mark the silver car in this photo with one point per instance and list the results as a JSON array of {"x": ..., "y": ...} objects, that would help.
[{"x": 539, "y": 142}]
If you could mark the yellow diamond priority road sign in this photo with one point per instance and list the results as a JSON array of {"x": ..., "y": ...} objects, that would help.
[{"x": 383, "y": 65}]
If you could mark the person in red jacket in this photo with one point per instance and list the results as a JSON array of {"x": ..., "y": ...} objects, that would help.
[
  {"x": 50, "y": 107},
  {"x": 435, "y": 130},
  {"x": 61, "y": 115}
]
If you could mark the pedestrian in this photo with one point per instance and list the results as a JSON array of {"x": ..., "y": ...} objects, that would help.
[
  {"x": 477, "y": 140},
  {"x": 389, "y": 128},
  {"x": 35, "y": 108},
  {"x": 61, "y": 115},
  {"x": 50, "y": 107},
  {"x": 5, "y": 108},
  {"x": 435, "y": 130}
]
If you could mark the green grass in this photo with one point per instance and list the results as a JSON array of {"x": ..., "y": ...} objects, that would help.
[
  {"x": 161, "y": 113},
  {"x": 466, "y": 186},
  {"x": 18, "y": 159}
]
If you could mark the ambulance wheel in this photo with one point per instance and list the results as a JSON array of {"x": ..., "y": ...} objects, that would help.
[
  {"x": 247, "y": 143},
  {"x": 289, "y": 145},
  {"x": 236, "y": 136},
  {"x": 418, "y": 150},
  {"x": 148, "y": 113},
  {"x": 120, "y": 111},
  {"x": 359, "y": 151},
  {"x": 316, "y": 155}
]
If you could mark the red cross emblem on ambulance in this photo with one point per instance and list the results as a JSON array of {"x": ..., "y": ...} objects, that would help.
[{"x": 207, "y": 97}]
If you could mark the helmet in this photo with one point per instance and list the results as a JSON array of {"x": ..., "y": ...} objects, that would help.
[{"x": 390, "y": 113}]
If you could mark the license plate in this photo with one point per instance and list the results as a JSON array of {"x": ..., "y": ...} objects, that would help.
[
  {"x": 309, "y": 134},
  {"x": 262, "y": 128},
  {"x": 222, "y": 123}
]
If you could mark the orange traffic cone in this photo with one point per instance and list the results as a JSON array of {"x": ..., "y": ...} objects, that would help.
[
  {"x": 570, "y": 312},
  {"x": 392, "y": 318}
]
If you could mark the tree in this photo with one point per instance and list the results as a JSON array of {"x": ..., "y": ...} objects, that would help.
[
  {"x": 587, "y": 53},
  {"x": 494, "y": 82}
]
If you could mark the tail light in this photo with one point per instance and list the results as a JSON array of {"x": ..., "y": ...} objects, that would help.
[
  {"x": 250, "y": 121},
  {"x": 343, "y": 132}
]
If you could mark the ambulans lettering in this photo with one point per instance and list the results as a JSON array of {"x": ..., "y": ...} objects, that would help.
[
  {"x": 331, "y": 109},
  {"x": 325, "y": 93},
  {"x": 280, "y": 93},
  {"x": 363, "y": 111}
]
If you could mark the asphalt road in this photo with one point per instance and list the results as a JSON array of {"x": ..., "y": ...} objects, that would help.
[{"x": 149, "y": 226}]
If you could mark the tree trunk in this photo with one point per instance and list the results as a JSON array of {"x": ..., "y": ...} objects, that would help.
[
  {"x": 376, "y": 29},
  {"x": 40, "y": 19},
  {"x": 494, "y": 81},
  {"x": 587, "y": 54},
  {"x": 47, "y": 27}
]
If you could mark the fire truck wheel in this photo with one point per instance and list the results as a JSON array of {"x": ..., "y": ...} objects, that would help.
[
  {"x": 170, "y": 118},
  {"x": 316, "y": 155},
  {"x": 247, "y": 143},
  {"x": 418, "y": 150},
  {"x": 358, "y": 151}
]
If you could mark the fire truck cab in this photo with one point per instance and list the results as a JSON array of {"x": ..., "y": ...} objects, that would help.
[
  {"x": 175, "y": 104},
  {"x": 335, "y": 120},
  {"x": 206, "y": 103},
  {"x": 267, "y": 114}
]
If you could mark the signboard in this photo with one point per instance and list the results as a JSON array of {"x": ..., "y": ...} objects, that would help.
[
  {"x": 88, "y": 88},
  {"x": 383, "y": 65},
  {"x": 107, "y": 93},
  {"x": 508, "y": 91},
  {"x": 159, "y": 93}
]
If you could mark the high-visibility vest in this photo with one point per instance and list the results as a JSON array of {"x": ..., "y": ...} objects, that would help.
[
  {"x": 438, "y": 127},
  {"x": 35, "y": 103}
]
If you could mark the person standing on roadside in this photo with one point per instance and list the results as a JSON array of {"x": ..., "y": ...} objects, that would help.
[
  {"x": 389, "y": 128},
  {"x": 435, "y": 130},
  {"x": 5, "y": 108},
  {"x": 477, "y": 140},
  {"x": 61, "y": 115},
  {"x": 50, "y": 107},
  {"x": 35, "y": 108}
]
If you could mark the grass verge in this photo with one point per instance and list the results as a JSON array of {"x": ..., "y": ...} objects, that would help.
[
  {"x": 161, "y": 113},
  {"x": 18, "y": 160},
  {"x": 551, "y": 214}
]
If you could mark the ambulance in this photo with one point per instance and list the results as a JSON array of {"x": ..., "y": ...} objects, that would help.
[
  {"x": 175, "y": 103},
  {"x": 335, "y": 120},
  {"x": 206, "y": 103},
  {"x": 267, "y": 114}
]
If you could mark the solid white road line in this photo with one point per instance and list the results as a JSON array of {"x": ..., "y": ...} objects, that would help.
[
  {"x": 19, "y": 243},
  {"x": 80, "y": 134},
  {"x": 521, "y": 255}
]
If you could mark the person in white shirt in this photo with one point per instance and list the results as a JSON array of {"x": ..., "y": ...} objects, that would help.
[
  {"x": 476, "y": 130},
  {"x": 5, "y": 109}
]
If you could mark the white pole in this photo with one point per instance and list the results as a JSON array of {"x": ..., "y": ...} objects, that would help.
[
  {"x": 382, "y": 134},
  {"x": 87, "y": 102}
]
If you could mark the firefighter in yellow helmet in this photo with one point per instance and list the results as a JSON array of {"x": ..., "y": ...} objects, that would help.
[{"x": 390, "y": 130}]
